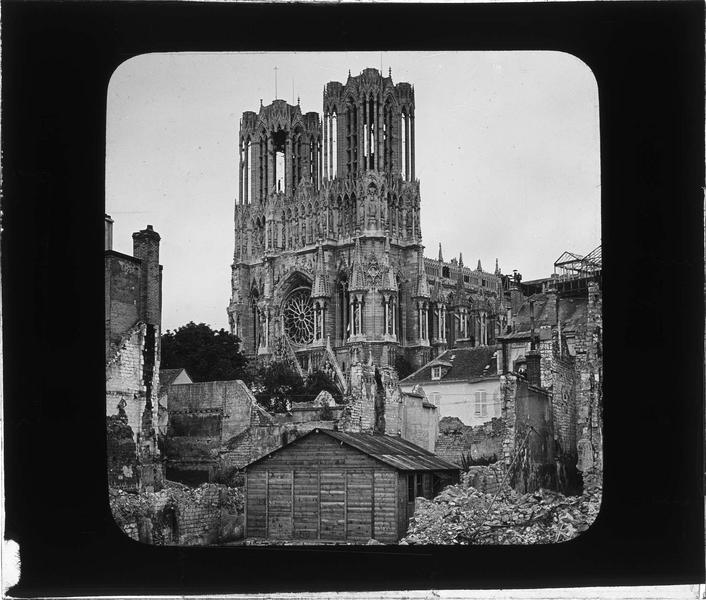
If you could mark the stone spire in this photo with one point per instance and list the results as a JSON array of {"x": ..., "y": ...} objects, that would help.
[
  {"x": 422, "y": 290},
  {"x": 479, "y": 268},
  {"x": 497, "y": 267},
  {"x": 357, "y": 275},
  {"x": 441, "y": 256},
  {"x": 460, "y": 292},
  {"x": 320, "y": 287}
]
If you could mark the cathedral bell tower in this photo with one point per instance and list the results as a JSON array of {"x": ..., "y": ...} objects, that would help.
[{"x": 327, "y": 232}]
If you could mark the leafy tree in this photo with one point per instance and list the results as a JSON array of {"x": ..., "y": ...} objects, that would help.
[
  {"x": 206, "y": 354},
  {"x": 403, "y": 366},
  {"x": 317, "y": 381},
  {"x": 276, "y": 385}
]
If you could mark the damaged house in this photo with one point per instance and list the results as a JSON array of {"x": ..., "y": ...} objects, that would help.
[{"x": 133, "y": 306}]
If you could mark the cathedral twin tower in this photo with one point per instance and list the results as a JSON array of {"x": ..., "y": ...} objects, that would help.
[{"x": 328, "y": 248}]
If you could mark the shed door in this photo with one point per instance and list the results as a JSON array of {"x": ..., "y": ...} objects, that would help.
[
  {"x": 333, "y": 505},
  {"x": 279, "y": 504}
]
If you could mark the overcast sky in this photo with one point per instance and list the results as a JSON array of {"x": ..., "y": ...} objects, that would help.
[{"x": 507, "y": 154}]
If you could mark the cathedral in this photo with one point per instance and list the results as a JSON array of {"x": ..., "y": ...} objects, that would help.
[{"x": 329, "y": 265}]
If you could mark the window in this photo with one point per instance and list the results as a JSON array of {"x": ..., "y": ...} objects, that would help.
[
  {"x": 435, "y": 373},
  {"x": 410, "y": 487},
  {"x": 420, "y": 485},
  {"x": 466, "y": 278},
  {"x": 445, "y": 272},
  {"x": 435, "y": 398},
  {"x": 481, "y": 404}
]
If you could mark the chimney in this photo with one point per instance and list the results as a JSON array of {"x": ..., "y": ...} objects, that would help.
[
  {"x": 145, "y": 246},
  {"x": 534, "y": 371},
  {"x": 516, "y": 296},
  {"x": 108, "y": 232},
  {"x": 531, "y": 312}
]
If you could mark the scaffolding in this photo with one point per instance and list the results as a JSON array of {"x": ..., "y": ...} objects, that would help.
[{"x": 573, "y": 266}]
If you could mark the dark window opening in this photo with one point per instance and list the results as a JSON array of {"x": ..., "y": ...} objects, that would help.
[
  {"x": 410, "y": 487},
  {"x": 445, "y": 272}
]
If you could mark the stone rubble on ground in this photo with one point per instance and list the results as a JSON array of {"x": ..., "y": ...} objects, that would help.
[{"x": 461, "y": 514}]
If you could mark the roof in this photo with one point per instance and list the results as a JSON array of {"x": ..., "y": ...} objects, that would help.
[
  {"x": 393, "y": 451},
  {"x": 465, "y": 364},
  {"x": 167, "y": 376}
]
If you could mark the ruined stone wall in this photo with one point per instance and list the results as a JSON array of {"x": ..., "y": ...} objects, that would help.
[
  {"x": 211, "y": 409},
  {"x": 176, "y": 515},
  {"x": 259, "y": 440},
  {"x": 123, "y": 467},
  {"x": 486, "y": 479},
  {"x": 123, "y": 289},
  {"x": 124, "y": 379},
  {"x": 533, "y": 465},
  {"x": 564, "y": 404},
  {"x": 589, "y": 364},
  {"x": 459, "y": 443},
  {"x": 411, "y": 417}
]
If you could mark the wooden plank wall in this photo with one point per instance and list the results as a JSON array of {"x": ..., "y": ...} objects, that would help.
[{"x": 319, "y": 489}]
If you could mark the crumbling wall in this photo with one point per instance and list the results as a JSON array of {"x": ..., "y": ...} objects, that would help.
[
  {"x": 125, "y": 388},
  {"x": 463, "y": 444},
  {"x": 202, "y": 418},
  {"x": 533, "y": 465},
  {"x": 122, "y": 291},
  {"x": 487, "y": 479},
  {"x": 123, "y": 467},
  {"x": 177, "y": 515},
  {"x": 589, "y": 365}
]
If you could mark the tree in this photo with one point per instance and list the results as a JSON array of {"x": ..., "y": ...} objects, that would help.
[
  {"x": 276, "y": 385},
  {"x": 318, "y": 381},
  {"x": 206, "y": 354}
]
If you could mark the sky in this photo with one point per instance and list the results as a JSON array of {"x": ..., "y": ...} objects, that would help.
[{"x": 507, "y": 154}]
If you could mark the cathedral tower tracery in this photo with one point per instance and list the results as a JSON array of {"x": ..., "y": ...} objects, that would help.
[{"x": 328, "y": 245}]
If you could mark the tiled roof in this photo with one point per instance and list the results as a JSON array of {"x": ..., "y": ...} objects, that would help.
[
  {"x": 466, "y": 363},
  {"x": 393, "y": 451}
]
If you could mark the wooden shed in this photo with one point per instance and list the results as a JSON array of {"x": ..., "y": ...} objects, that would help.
[{"x": 346, "y": 487}]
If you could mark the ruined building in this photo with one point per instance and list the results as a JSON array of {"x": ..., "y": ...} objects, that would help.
[
  {"x": 133, "y": 309},
  {"x": 328, "y": 240}
]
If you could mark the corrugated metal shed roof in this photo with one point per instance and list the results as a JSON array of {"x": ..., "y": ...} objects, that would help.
[{"x": 393, "y": 451}]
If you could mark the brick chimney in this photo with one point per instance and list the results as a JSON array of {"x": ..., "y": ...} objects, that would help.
[
  {"x": 145, "y": 246},
  {"x": 534, "y": 371},
  {"x": 108, "y": 232}
]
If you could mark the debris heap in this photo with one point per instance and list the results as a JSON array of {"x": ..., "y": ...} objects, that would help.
[{"x": 461, "y": 514}]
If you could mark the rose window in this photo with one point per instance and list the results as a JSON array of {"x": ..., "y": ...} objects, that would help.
[{"x": 299, "y": 316}]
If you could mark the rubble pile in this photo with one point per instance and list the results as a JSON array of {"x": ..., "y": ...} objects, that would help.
[
  {"x": 461, "y": 514},
  {"x": 155, "y": 517}
]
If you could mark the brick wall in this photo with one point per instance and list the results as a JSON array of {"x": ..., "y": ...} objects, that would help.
[
  {"x": 457, "y": 442},
  {"x": 487, "y": 479},
  {"x": 209, "y": 514},
  {"x": 122, "y": 286},
  {"x": 124, "y": 381}
]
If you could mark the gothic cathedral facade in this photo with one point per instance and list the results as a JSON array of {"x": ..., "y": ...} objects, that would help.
[{"x": 328, "y": 259}]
